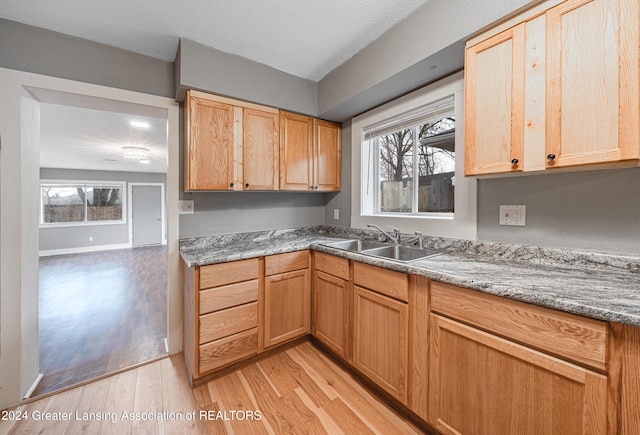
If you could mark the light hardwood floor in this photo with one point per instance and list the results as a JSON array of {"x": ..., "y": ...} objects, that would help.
[
  {"x": 298, "y": 391},
  {"x": 100, "y": 312}
]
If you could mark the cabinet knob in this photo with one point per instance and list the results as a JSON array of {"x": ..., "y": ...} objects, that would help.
[
  {"x": 315, "y": 187},
  {"x": 551, "y": 157},
  {"x": 230, "y": 184},
  {"x": 246, "y": 185},
  {"x": 514, "y": 161}
]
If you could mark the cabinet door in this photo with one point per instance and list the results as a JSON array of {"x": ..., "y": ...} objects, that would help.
[
  {"x": 380, "y": 340},
  {"x": 483, "y": 384},
  {"x": 209, "y": 156},
  {"x": 592, "y": 82},
  {"x": 327, "y": 156},
  {"x": 330, "y": 309},
  {"x": 286, "y": 306},
  {"x": 260, "y": 149},
  {"x": 494, "y": 104},
  {"x": 296, "y": 151}
]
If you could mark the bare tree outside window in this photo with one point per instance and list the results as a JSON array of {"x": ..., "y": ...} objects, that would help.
[
  {"x": 81, "y": 203},
  {"x": 431, "y": 156}
]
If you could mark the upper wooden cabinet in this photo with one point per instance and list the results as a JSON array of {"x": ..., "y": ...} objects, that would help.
[
  {"x": 494, "y": 118},
  {"x": 592, "y": 82},
  {"x": 310, "y": 153},
  {"x": 556, "y": 86},
  {"x": 260, "y": 149},
  {"x": 296, "y": 151},
  {"x": 327, "y": 156},
  {"x": 230, "y": 145},
  {"x": 209, "y": 144}
]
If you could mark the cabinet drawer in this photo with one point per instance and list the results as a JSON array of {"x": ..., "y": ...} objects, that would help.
[
  {"x": 227, "y": 296},
  {"x": 228, "y": 273},
  {"x": 228, "y": 350},
  {"x": 387, "y": 282},
  {"x": 226, "y": 322},
  {"x": 566, "y": 335},
  {"x": 332, "y": 265},
  {"x": 288, "y": 262}
]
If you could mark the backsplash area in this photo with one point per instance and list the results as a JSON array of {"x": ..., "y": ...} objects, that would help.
[{"x": 594, "y": 211}]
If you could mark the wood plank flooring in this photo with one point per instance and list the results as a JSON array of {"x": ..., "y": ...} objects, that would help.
[
  {"x": 100, "y": 312},
  {"x": 298, "y": 391}
]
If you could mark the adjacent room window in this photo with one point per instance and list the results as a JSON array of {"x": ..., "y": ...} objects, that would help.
[
  {"x": 413, "y": 162},
  {"x": 81, "y": 203}
]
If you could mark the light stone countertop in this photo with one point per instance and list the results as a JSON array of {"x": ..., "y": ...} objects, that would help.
[{"x": 600, "y": 286}]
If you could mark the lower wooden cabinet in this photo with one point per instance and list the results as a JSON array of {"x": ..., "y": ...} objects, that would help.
[
  {"x": 381, "y": 340},
  {"x": 483, "y": 384},
  {"x": 287, "y": 297},
  {"x": 331, "y": 315},
  {"x": 221, "y": 315},
  {"x": 228, "y": 350}
]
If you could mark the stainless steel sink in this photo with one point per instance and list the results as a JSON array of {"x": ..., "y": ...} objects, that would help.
[
  {"x": 400, "y": 253},
  {"x": 356, "y": 245}
]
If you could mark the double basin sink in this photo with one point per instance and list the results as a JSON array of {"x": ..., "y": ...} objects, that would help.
[{"x": 395, "y": 252}]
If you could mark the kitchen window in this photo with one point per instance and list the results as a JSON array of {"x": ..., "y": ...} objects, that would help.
[
  {"x": 413, "y": 166},
  {"x": 408, "y": 164},
  {"x": 81, "y": 203}
]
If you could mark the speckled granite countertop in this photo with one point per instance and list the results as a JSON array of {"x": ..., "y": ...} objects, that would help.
[{"x": 600, "y": 286}]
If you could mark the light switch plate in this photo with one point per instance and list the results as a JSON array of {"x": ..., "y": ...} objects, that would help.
[
  {"x": 514, "y": 215},
  {"x": 185, "y": 206}
]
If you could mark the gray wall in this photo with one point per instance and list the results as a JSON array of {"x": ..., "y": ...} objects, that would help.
[
  {"x": 208, "y": 69},
  {"x": 78, "y": 236},
  {"x": 40, "y": 51},
  {"x": 595, "y": 210},
  {"x": 426, "y": 46},
  {"x": 237, "y": 212}
]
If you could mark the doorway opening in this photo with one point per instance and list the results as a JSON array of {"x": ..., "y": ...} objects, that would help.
[{"x": 103, "y": 240}]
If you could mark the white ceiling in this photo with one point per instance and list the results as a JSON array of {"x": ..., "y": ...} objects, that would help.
[
  {"x": 306, "y": 38},
  {"x": 85, "y": 138}
]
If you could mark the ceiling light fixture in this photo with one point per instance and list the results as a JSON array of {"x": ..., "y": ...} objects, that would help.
[
  {"x": 139, "y": 124},
  {"x": 135, "y": 153}
]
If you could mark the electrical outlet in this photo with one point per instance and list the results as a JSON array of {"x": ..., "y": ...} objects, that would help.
[
  {"x": 514, "y": 215},
  {"x": 336, "y": 213},
  {"x": 185, "y": 206}
]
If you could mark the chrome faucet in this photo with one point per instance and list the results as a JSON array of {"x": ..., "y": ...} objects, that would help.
[
  {"x": 420, "y": 240},
  {"x": 396, "y": 233}
]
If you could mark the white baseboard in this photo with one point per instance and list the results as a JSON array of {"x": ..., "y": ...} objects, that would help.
[
  {"x": 33, "y": 386},
  {"x": 83, "y": 249}
]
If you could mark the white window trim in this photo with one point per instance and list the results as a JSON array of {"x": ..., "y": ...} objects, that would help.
[
  {"x": 463, "y": 224},
  {"x": 98, "y": 183}
]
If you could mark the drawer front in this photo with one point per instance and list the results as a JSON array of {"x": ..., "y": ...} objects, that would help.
[
  {"x": 288, "y": 262},
  {"x": 228, "y": 273},
  {"x": 227, "y": 322},
  {"x": 227, "y": 296},
  {"x": 332, "y": 265},
  {"x": 566, "y": 335},
  {"x": 228, "y": 350},
  {"x": 387, "y": 282}
]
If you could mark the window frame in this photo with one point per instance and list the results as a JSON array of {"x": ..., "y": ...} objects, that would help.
[
  {"x": 415, "y": 163},
  {"x": 462, "y": 223},
  {"x": 122, "y": 185}
]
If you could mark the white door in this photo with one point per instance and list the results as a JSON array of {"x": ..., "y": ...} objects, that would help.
[{"x": 146, "y": 214}]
